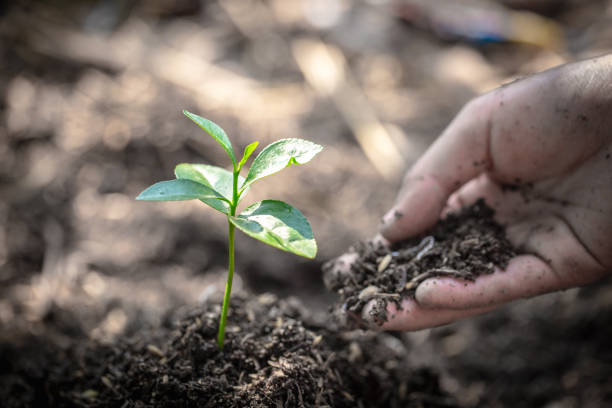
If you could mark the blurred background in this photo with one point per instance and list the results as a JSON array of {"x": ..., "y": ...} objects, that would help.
[{"x": 91, "y": 95}]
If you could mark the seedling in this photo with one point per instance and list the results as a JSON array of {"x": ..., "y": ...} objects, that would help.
[{"x": 274, "y": 222}]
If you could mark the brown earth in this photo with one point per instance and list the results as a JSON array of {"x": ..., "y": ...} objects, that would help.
[
  {"x": 463, "y": 245},
  {"x": 90, "y": 114},
  {"x": 274, "y": 355}
]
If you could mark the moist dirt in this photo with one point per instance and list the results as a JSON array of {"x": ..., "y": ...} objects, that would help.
[
  {"x": 463, "y": 245},
  {"x": 93, "y": 285},
  {"x": 274, "y": 356}
]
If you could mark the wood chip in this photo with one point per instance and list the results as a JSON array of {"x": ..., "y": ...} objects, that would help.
[
  {"x": 153, "y": 349},
  {"x": 384, "y": 263}
]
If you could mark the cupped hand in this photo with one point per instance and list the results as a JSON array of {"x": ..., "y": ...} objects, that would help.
[{"x": 539, "y": 152}]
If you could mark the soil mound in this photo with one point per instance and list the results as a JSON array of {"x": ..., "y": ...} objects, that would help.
[{"x": 274, "y": 356}]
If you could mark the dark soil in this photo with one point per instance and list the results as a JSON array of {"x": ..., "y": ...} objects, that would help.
[
  {"x": 90, "y": 116},
  {"x": 464, "y": 245},
  {"x": 274, "y": 356}
]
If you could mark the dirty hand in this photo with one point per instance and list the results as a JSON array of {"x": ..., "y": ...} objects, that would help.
[{"x": 550, "y": 135}]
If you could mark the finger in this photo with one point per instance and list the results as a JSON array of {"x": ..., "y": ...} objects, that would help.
[
  {"x": 509, "y": 205},
  {"x": 416, "y": 210},
  {"x": 520, "y": 132},
  {"x": 472, "y": 191},
  {"x": 413, "y": 317},
  {"x": 525, "y": 276},
  {"x": 459, "y": 154}
]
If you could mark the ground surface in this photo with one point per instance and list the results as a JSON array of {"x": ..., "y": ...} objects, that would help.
[
  {"x": 274, "y": 355},
  {"x": 91, "y": 96}
]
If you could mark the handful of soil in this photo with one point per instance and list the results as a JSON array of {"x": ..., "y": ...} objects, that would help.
[{"x": 464, "y": 245}]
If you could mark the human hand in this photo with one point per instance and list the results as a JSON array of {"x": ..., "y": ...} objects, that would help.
[{"x": 550, "y": 136}]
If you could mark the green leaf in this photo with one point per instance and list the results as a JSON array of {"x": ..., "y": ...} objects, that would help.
[
  {"x": 247, "y": 153},
  {"x": 215, "y": 131},
  {"x": 278, "y": 224},
  {"x": 279, "y": 155},
  {"x": 177, "y": 190},
  {"x": 214, "y": 177}
]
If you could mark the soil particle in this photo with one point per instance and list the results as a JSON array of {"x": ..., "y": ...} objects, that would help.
[
  {"x": 274, "y": 356},
  {"x": 464, "y": 245}
]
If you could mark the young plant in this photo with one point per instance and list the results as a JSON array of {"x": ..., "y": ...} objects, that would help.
[{"x": 274, "y": 222}]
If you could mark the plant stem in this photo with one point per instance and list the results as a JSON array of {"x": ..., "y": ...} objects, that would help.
[
  {"x": 230, "y": 267},
  {"x": 228, "y": 287}
]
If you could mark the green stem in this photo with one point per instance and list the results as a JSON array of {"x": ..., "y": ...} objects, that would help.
[
  {"x": 228, "y": 287},
  {"x": 230, "y": 268}
]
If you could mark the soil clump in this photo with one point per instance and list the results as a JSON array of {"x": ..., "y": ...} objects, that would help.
[{"x": 463, "y": 245}]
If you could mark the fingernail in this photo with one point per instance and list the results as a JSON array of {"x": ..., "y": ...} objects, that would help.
[
  {"x": 380, "y": 241},
  {"x": 373, "y": 314},
  {"x": 390, "y": 218}
]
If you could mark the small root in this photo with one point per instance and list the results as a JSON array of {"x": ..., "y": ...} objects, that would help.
[
  {"x": 403, "y": 278},
  {"x": 390, "y": 295},
  {"x": 418, "y": 251},
  {"x": 426, "y": 244}
]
